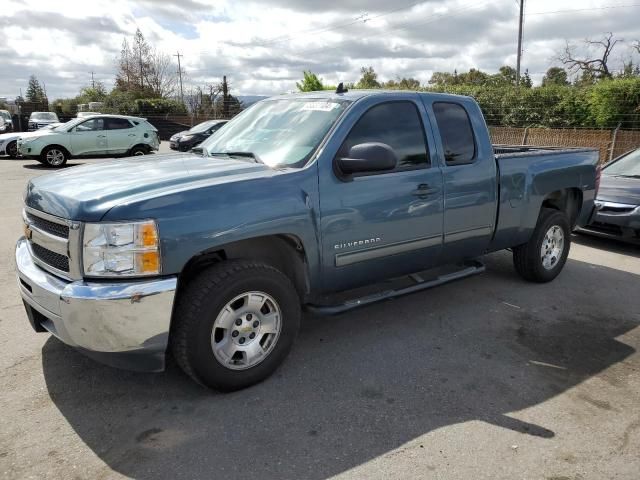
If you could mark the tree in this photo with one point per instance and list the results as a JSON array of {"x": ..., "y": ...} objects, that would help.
[
  {"x": 555, "y": 76},
  {"x": 597, "y": 61},
  {"x": 141, "y": 52},
  {"x": 310, "y": 82},
  {"x": 525, "y": 81},
  {"x": 369, "y": 78},
  {"x": 508, "y": 74},
  {"x": 160, "y": 77},
  {"x": 444, "y": 78},
  {"x": 35, "y": 92},
  {"x": 93, "y": 94}
]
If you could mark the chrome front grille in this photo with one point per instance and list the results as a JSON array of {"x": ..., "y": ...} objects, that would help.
[
  {"x": 54, "y": 243},
  {"x": 48, "y": 226},
  {"x": 57, "y": 261}
]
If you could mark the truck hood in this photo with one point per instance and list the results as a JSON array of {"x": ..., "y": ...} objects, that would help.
[
  {"x": 88, "y": 192},
  {"x": 619, "y": 190}
]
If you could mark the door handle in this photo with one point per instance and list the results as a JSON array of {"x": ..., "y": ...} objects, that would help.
[
  {"x": 101, "y": 136},
  {"x": 424, "y": 190},
  {"x": 132, "y": 134}
]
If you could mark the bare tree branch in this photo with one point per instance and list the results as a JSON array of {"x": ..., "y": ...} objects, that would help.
[{"x": 600, "y": 52}]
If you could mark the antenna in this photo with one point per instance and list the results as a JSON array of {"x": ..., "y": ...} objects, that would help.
[{"x": 341, "y": 88}]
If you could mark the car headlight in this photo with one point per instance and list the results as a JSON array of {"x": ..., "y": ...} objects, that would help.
[
  {"x": 186, "y": 137},
  {"x": 121, "y": 249}
]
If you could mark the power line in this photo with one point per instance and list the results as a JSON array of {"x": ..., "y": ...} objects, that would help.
[
  {"x": 364, "y": 18},
  {"x": 610, "y": 7}
]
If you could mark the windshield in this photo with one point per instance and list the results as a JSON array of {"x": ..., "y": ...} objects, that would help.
[
  {"x": 281, "y": 133},
  {"x": 65, "y": 126},
  {"x": 44, "y": 116},
  {"x": 5, "y": 115},
  {"x": 627, "y": 166},
  {"x": 202, "y": 127}
]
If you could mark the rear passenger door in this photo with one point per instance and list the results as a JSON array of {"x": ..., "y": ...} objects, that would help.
[
  {"x": 121, "y": 134},
  {"x": 381, "y": 224},
  {"x": 470, "y": 184}
]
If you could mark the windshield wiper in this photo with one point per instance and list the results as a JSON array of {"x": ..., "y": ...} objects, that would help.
[{"x": 251, "y": 155}]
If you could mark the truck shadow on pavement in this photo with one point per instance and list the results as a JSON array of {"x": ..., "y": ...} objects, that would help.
[{"x": 362, "y": 384}]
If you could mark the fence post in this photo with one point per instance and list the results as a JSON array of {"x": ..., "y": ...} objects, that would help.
[
  {"x": 525, "y": 136},
  {"x": 614, "y": 136}
]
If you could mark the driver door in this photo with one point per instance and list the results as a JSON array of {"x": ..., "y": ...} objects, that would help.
[
  {"x": 89, "y": 138},
  {"x": 382, "y": 224}
]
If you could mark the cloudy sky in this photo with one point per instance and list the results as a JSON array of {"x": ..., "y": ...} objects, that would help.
[{"x": 263, "y": 46}]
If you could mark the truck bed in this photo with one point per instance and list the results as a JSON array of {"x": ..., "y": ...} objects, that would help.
[
  {"x": 529, "y": 174},
  {"x": 503, "y": 151}
]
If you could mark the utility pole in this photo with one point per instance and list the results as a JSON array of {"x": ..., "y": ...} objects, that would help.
[
  {"x": 180, "y": 76},
  {"x": 93, "y": 83},
  {"x": 519, "y": 42}
]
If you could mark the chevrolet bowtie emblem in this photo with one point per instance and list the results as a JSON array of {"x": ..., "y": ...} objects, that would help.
[{"x": 28, "y": 232}]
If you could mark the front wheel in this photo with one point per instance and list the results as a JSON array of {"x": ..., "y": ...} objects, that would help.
[
  {"x": 234, "y": 324},
  {"x": 54, "y": 157},
  {"x": 542, "y": 258}
]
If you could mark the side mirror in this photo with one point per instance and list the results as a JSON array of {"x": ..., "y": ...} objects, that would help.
[{"x": 368, "y": 157}]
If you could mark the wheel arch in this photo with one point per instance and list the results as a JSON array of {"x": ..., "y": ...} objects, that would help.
[
  {"x": 62, "y": 147},
  {"x": 566, "y": 200},
  {"x": 285, "y": 252}
]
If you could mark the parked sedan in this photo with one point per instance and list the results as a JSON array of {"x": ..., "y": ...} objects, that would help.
[
  {"x": 618, "y": 200},
  {"x": 185, "y": 141},
  {"x": 97, "y": 136}
]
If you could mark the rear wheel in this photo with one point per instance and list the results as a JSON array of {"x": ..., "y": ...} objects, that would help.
[
  {"x": 234, "y": 324},
  {"x": 12, "y": 149},
  {"x": 54, "y": 156},
  {"x": 542, "y": 258},
  {"x": 138, "y": 150}
]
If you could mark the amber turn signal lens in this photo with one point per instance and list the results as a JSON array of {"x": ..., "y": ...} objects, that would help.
[
  {"x": 148, "y": 262},
  {"x": 147, "y": 235}
]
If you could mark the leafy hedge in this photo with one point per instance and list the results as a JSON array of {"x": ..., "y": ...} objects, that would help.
[{"x": 606, "y": 104}]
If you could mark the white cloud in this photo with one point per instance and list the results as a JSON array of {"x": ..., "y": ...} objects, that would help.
[{"x": 262, "y": 46}]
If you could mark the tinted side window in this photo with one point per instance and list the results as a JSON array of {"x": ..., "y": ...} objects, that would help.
[
  {"x": 91, "y": 125},
  {"x": 118, "y": 124},
  {"x": 456, "y": 133},
  {"x": 398, "y": 125}
]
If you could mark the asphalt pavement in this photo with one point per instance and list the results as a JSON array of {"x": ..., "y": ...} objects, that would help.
[{"x": 490, "y": 377}]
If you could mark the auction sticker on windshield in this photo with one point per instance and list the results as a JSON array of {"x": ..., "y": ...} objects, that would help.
[{"x": 320, "y": 106}]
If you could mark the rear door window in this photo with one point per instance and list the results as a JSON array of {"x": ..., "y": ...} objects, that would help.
[
  {"x": 397, "y": 124},
  {"x": 118, "y": 124},
  {"x": 456, "y": 133}
]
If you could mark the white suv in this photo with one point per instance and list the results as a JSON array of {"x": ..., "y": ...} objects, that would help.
[{"x": 97, "y": 136}]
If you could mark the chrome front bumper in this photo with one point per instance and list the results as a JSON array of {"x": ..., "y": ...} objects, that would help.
[{"x": 123, "y": 324}]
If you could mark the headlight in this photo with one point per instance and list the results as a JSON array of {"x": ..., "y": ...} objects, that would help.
[
  {"x": 121, "y": 249},
  {"x": 186, "y": 137}
]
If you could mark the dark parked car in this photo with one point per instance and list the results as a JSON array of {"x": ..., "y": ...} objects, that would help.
[
  {"x": 618, "y": 200},
  {"x": 185, "y": 141}
]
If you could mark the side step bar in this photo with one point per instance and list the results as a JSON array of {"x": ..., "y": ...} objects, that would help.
[{"x": 469, "y": 268}]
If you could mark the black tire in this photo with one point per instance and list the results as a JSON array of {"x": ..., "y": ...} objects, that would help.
[
  {"x": 200, "y": 303},
  {"x": 138, "y": 150},
  {"x": 527, "y": 258},
  {"x": 60, "y": 158},
  {"x": 12, "y": 149}
]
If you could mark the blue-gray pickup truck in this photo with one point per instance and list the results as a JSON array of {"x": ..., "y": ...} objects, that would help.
[{"x": 299, "y": 202}]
